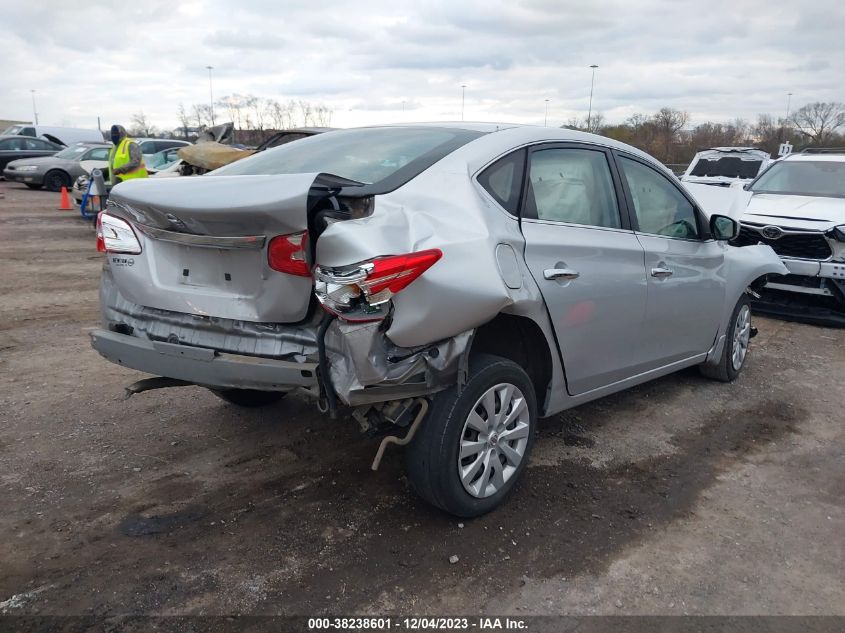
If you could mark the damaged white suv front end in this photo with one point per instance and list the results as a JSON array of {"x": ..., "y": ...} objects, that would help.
[{"x": 798, "y": 208}]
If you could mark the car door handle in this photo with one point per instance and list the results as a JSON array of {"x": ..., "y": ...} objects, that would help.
[
  {"x": 661, "y": 271},
  {"x": 560, "y": 273}
]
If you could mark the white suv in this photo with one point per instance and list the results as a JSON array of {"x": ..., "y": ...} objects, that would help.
[{"x": 798, "y": 208}]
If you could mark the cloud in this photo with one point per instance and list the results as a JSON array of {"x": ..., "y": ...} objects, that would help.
[{"x": 732, "y": 58}]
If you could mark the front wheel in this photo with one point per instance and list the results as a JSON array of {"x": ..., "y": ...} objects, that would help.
[
  {"x": 249, "y": 397},
  {"x": 735, "y": 350},
  {"x": 474, "y": 445},
  {"x": 56, "y": 179}
]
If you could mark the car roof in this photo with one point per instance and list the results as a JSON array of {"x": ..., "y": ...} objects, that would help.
[
  {"x": 732, "y": 149},
  {"x": 5, "y": 136},
  {"x": 90, "y": 144},
  {"x": 813, "y": 158},
  {"x": 473, "y": 126},
  {"x": 150, "y": 138}
]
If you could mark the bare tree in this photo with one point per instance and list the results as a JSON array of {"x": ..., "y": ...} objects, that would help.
[
  {"x": 668, "y": 123},
  {"x": 139, "y": 126},
  {"x": 594, "y": 125},
  {"x": 184, "y": 119},
  {"x": 322, "y": 115},
  {"x": 306, "y": 110},
  {"x": 819, "y": 121},
  {"x": 198, "y": 114}
]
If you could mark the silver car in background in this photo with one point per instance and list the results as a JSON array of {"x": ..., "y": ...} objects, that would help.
[
  {"x": 60, "y": 169},
  {"x": 447, "y": 282}
]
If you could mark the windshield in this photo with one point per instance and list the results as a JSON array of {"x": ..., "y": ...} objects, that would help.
[
  {"x": 804, "y": 178},
  {"x": 13, "y": 130},
  {"x": 727, "y": 167},
  {"x": 368, "y": 155},
  {"x": 71, "y": 153}
]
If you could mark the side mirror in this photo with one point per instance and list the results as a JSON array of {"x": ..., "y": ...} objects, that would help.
[{"x": 723, "y": 228}]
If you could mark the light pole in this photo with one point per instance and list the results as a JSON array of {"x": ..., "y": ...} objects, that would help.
[
  {"x": 546, "y": 115},
  {"x": 210, "y": 94},
  {"x": 34, "y": 110},
  {"x": 788, "y": 100},
  {"x": 463, "y": 99},
  {"x": 592, "y": 84}
]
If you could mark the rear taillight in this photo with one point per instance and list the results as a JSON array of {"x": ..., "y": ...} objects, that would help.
[
  {"x": 288, "y": 254},
  {"x": 116, "y": 236},
  {"x": 101, "y": 245},
  {"x": 361, "y": 292}
]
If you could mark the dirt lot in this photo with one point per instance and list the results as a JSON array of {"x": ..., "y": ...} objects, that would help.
[{"x": 681, "y": 496}]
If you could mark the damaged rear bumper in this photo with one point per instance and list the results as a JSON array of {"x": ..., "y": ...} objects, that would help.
[{"x": 203, "y": 366}]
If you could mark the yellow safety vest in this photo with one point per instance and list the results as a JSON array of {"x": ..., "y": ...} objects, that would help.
[{"x": 118, "y": 157}]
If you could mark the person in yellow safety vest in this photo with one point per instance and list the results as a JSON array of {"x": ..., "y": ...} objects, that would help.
[{"x": 125, "y": 159}]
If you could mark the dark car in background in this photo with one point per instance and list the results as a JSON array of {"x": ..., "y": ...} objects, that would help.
[
  {"x": 59, "y": 170},
  {"x": 15, "y": 147}
]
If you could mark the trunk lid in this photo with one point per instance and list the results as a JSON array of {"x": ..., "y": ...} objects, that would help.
[{"x": 204, "y": 245}]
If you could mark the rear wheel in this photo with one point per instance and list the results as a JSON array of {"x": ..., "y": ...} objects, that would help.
[
  {"x": 55, "y": 180},
  {"x": 33, "y": 186},
  {"x": 249, "y": 397},
  {"x": 473, "y": 446},
  {"x": 735, "y": 350}
]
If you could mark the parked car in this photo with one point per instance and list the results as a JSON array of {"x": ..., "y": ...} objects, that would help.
[
  {"x": 15, "y": 147},
  {"x": 65, "y": 136},
  {"x": 151, "y": 146},
  {"x": 798, "y": 208},
  {"x": 452, "y": 282},
  {"x": 724, "y": 166},
  {"x": 59, "y": 170}
]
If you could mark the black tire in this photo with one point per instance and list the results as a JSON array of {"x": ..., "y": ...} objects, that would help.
[
  {"x": 32, "y": 185},
  {"x": 431, "y": 459},
  {"x": 726, "y": 370},
  {"x": 56, "y": 179},
  {"x": 249, "y": 397}
]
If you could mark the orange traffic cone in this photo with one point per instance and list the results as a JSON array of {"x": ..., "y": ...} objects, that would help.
[{"x": 64, "y": 205}]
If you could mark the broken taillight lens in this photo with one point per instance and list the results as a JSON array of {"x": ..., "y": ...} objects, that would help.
[
  {"x": 101, "y": 245},
  {"x": 288, "y": 254},
  {"x": 116, "y": 236},
  {"x": 361, "y": 292}
]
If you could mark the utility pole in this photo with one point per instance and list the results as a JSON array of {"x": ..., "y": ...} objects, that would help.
[
  {"x": 592, "y": 84},
  {"x": 34, "y": 109},
  {"x": 210, "y": 93},
  {"x": 463, "y": 99},
  {"x": 546, "y": 116}
]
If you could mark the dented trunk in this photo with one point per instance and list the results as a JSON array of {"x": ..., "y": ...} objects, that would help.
[{"x": 204, "y": 251}]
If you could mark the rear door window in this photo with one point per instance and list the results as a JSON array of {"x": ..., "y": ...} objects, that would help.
[{"x": 39, "y": 145}]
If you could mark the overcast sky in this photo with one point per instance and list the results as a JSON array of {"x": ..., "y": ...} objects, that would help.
[{"x": 717, "y": 59}]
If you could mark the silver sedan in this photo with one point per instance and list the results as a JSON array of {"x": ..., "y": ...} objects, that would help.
[{"x": 446, "y": 284}]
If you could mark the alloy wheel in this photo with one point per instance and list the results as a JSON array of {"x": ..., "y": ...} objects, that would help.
[
  {"x": 741, "y": 336},
  {"x": 493, "y": 440}
]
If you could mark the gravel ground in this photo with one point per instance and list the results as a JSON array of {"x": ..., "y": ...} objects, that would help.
[{"x": 682, "y": 496}]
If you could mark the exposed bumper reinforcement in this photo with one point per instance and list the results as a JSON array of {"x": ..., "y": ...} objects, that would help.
[{"x": 203, "y": 366}]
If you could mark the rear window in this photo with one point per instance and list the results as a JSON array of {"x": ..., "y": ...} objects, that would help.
[
  {"x": 804, "y": 178},
  {"x": 367, "y": 155},
  {"x": 727, "y": 167}
]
